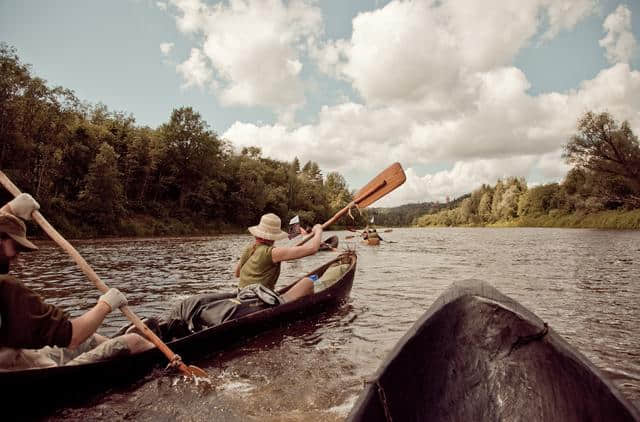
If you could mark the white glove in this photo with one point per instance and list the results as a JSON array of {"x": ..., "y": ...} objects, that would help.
[
  {"x": 23, "y": 205},
  {"x": 114, "y": 298}
]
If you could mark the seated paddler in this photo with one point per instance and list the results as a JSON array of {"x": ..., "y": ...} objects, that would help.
[
  {"x": 258, "y": 270},
  {"x": 261, "y": 260},
  {"x": 373, "y": 234},
  {"x": 34, "y": 333}
]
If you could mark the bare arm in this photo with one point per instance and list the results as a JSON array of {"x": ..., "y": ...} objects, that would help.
[
  {"x": 87, "y": 323},
  {"x": 295, "y": 252},
  {"x": 236, "y": 271}
]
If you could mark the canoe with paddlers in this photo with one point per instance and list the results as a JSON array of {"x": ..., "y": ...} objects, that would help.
[
  {"x": 55, "y": 384},
  {"x": 329, "y": 243}
]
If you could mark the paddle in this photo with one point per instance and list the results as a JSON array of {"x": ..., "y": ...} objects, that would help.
[
  {"x": 390, "y": 178},
  {"x": 88, "y": 271}
]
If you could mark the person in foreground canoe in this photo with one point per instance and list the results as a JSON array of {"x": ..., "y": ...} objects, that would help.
[
  {"x": 258, "y": 270},
  {"x": 260, "y": 262},
  {"x": 36, "y": 334}
]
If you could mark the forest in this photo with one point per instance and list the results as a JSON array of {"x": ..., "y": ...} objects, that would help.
[
  {"x": 95, "y": 172},
  {"x": 601, "y": 190}
]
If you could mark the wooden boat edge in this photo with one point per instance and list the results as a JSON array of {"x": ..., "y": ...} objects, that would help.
[{"x": 483, "y": 290}]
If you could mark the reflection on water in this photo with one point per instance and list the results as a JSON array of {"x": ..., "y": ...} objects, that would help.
[{"x": 584, "y": 283}]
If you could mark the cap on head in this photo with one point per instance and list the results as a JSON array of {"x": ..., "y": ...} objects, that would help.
[
  {"x": 269, "y": 228},
  {"x": 15, "y": 228}
]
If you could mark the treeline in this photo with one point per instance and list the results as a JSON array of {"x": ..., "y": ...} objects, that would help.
[
  {"x": 95, "y": 172},
  {"x": 407, "y": 214},
  {"x": 601, "y": 190}
]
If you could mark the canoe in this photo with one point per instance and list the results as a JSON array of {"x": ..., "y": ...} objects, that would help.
[
  {"x": 67, "y": 383},
  {"x": 371, "y": 242},
  {"x": 477, "y": 355},
  {"x": 329, "y": 243}
]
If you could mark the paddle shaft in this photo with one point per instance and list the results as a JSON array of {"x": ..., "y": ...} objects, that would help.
[
  {"x": 91, "y": 275},
  {"x": 344, "y": 210}
]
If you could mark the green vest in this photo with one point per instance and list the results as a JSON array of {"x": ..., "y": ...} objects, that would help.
[{"x": 256, "y": 266}]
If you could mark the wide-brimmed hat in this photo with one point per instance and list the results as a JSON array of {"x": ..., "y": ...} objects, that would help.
[
  {"x": 269, "y": 228},
  {"x": 15, "y": 228}
]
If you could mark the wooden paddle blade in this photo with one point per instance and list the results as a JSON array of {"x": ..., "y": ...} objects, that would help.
[
  {"x": 197, "y": 372},
  {"x": 385, "y": 182}
]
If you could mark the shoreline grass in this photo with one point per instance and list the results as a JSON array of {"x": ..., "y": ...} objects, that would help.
[{"x": 612, "y": 219}]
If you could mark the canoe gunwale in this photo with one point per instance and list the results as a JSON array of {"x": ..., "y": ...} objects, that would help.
[{"x": 373, "y": 397}]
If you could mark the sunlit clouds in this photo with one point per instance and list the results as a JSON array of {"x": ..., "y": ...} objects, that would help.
[
  {"x": 619, "y": 41},
  {"x": 433, "y": 84},
  {"x": 166, "y": 47},
  {"x": 252, "y": 49}
]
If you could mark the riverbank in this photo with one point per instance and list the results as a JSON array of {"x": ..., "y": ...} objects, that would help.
[{"x": 613, "y": 219}]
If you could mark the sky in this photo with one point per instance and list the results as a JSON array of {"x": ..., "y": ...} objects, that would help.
[{"x": 460, "y": 92}]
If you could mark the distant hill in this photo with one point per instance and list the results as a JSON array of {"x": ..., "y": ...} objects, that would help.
[{"x": 404, "y": 215}]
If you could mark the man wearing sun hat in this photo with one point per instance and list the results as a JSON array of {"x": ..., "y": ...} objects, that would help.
[
  {"x": 260, "y": 262},
  {"x": 27, "y": 322}
]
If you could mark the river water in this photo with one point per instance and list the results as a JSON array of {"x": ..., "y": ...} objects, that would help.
[{"x": 584, "y": 283}]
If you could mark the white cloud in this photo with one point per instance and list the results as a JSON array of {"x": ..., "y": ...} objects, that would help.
[
  {"x": 508, "y": 132},
  {"x": 166, "y": 48},
  {"x": 255, "y": 46},
  {"x": 195, "y": 70},
  {"x": 619, "y": 43},
  {"x": 565, "y": 14},
  {"x": 427, "y": 52},
  {"x": 161, "y": 5},
  {"x": 437, "y": 84}
]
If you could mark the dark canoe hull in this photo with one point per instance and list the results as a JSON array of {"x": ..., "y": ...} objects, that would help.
[
  {"x": 60, "y": 384},
  {"x": 459, "y": 363},
  {"x": 329, "y": 243}
]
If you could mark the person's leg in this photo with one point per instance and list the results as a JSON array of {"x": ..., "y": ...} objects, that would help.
[
  {"x": 136, "y": 343},
  {"x": 302, "y": 288},
  {"x": 121, "y": 345}
]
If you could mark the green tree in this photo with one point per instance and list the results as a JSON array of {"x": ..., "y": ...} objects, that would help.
[
  {"x": 338, "y": 195},
  {"x": 192, "y": 157},
  {"x": 102, "y": 199},
  {"x": 611, "y": 151},
  {"x": 484, "y": 207}
]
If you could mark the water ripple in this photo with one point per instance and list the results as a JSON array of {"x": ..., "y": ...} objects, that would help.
[{"x": 582, "y": 282}]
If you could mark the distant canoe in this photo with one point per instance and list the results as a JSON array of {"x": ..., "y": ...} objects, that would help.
[
  {"x": 477, "y": 355},
  {"x": 371, "y": 242},
  {"x": 329, "y": 243}
]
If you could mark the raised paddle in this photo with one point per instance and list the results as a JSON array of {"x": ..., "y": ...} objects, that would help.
[
  {"x": 84, "y": 266},
  {"x": 390, "y": 178}
]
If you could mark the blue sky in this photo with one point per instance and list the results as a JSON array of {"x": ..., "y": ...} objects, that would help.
[{"x": 460, "y": 92}]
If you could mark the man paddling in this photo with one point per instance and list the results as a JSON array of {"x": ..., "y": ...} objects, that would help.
[{"x": 36, "y": 334}]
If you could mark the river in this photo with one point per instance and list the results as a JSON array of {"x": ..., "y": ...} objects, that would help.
[{"x": 584, "y": 283}]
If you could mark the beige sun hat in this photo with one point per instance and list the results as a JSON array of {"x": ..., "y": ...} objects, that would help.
[
  {"x": 269, "y": 228},
  {"x": 15, "y": 228}
]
